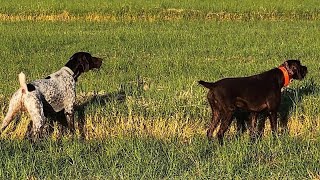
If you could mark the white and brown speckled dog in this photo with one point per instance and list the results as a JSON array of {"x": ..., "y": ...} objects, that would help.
[{"x": 52, "y": 95}]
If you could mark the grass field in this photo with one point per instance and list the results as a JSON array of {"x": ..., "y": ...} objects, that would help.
[{"x": 146, "y": 116}]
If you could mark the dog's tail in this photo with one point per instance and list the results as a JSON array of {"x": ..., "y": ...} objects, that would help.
[
  {"x": 15, "y": 104},
  {"x": 208, "y": 85},
  {"x": 22, "y": 81}
]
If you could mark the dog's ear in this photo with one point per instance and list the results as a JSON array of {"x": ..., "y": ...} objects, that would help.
[
  {"x": 287, "y": 66},
  {"x": 84, "y": 63}
]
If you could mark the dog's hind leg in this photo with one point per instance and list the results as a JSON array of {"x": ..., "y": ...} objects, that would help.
[
  {"x": 15, "y": 106},
  {"x": 29, "y": 131},
  {"x": 260, "y": 126},
  {"x": 225, "y": 123},
  {"x": 242, "y": 118},
  {"x": 35, "y": 109},
  {"x": 48, "y": 128},
  {"x": 62, "y": 126},
  {"x": 214, "y": 123},
  {"x": 215, "y": 115}
]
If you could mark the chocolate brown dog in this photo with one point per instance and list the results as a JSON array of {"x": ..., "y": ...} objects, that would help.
[{"x": 255, "y": 94}]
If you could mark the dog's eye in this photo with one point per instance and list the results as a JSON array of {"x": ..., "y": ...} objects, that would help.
[{"x": 294, "y": 68}]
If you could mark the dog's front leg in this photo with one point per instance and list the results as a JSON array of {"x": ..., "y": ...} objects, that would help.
[
  {"x": 69, "y": 110},
  {"x": 81, "y": 123},
  {"x": 273, "y": 122},
  {"x": 70, "y": 119}
]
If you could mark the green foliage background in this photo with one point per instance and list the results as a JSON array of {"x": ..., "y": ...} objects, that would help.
[{"x": 152, "y": 123}]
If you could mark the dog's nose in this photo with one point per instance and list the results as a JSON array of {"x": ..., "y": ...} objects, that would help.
[{"x": 97, "y": 62}]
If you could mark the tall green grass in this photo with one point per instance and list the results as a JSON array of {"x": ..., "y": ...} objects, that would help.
[
  {"x": 158, "y": 64},
  {"x": 149, "y": 158},
  {"x": 146, "y": 116}
]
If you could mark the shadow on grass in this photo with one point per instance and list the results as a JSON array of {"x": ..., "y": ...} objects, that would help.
[
  {"x": 101, "y": 100},
  {"x": 80, "y": 109},
  {"x": 134, "y": 88},
  {"x": 291, "y": 98}
]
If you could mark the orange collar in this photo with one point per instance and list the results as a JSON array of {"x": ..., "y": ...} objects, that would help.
[{"x": 285, "y": 75}]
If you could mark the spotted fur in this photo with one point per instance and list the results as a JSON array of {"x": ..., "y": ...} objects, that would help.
[{"x": 50, "y": 95}]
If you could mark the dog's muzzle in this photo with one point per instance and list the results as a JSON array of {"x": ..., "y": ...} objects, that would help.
[{"x": 303, "y": 72}]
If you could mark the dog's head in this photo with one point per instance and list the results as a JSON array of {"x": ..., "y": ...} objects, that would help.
[
  {"x": 81, "y": 62},
  {"x": 295, "y": 69}
]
